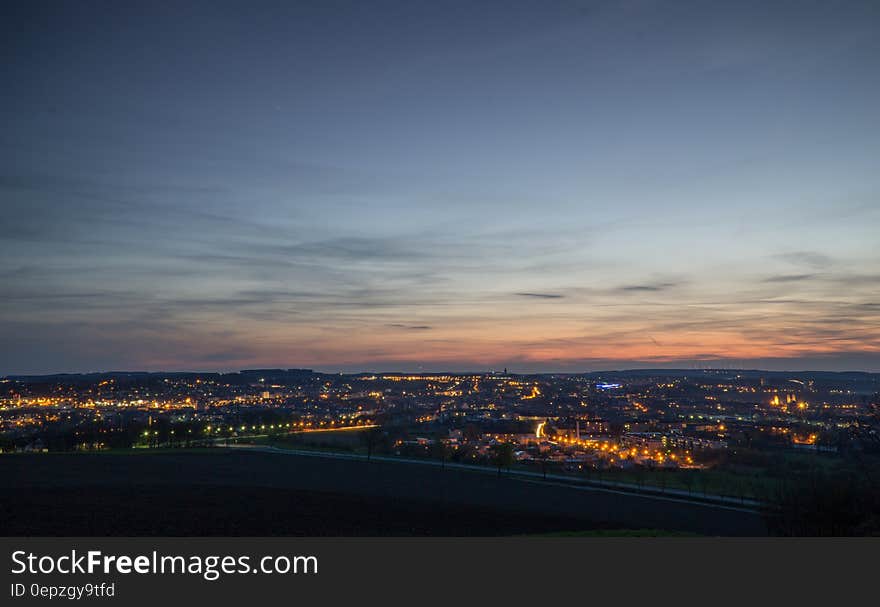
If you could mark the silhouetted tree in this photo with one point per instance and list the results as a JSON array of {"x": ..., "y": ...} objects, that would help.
[
  {"x": 370, "y": 438},
  {"x": 440, "y": 449},
  {"x": 703, "y": 479},
  {"x": 502, "y": 454},
  {"x": 543, "y": 458},
  {"x": 844, "y": 503},
  {"x": 689, "y": 480},
  {"x": 639, "y": 472}
]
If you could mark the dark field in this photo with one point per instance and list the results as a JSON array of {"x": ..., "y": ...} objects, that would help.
[{"x": 221, "y": 493}]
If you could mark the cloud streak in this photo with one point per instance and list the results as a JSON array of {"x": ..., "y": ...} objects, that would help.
[{"x": 541, "y": 295}]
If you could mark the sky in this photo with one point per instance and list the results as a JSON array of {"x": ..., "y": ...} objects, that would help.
[{"x": 347, "y": 186}]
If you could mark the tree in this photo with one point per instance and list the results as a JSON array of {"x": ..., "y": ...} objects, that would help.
[
  {"x": 440, "y": 449},
  {"x": 639, "y": 472},
  {"x": 704, "y": 482},
  {"x": 689, "y": 481},
  {"x": 370, "y": 438},
  {"x": 503, "y": 456},
  {"x": 843, "y": 503},
  {"x": 543, "y": 457}
]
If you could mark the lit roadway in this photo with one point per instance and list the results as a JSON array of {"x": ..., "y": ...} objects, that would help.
[{"x": 669, "y": 495}]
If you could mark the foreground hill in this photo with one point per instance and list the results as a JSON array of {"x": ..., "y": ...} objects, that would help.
[{"x": 219, "y": 492}]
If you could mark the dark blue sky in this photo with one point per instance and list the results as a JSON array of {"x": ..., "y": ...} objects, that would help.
[{"x": 444, "y": 185}]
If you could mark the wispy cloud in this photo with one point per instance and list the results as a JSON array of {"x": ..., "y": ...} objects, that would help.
[
  {"x": 648, "y": 288},
  {"x": 811, "y": 259},
  {"x": 790, "y": 278},
  {"x": 541, "y": 295}
]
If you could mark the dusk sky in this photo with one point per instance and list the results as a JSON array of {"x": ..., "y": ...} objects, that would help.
[{"x": 347, "y": 186}]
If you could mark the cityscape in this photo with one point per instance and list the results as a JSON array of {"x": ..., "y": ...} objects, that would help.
[
  {"x": 575, "y": 268},
  {"x": 738, "y": 438}
]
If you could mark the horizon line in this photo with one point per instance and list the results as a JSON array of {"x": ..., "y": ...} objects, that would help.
[{"x": 428, "y": 372}]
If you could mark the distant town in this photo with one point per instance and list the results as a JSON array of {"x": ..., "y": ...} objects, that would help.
[{"x": 634, "y": 426}]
